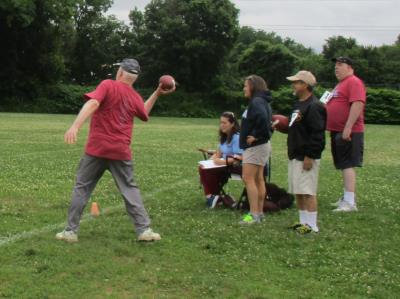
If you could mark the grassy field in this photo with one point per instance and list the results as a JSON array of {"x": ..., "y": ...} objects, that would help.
[{"x": 203, "y": 254}]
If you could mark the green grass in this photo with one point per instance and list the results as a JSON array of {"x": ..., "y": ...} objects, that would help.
[{"x": 203, "y": 254}]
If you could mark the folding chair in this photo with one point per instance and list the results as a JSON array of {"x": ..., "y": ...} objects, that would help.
[
  {"x": 236, "y": 175},
  {"x": 243, "y": 197},
  {"x": 226, "y": 199}
]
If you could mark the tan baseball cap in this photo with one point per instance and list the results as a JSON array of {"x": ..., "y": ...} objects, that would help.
[{"x": 305, "y": 76}]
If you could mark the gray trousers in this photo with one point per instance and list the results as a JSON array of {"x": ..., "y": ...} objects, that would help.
[{"x": 91, "y": 169}]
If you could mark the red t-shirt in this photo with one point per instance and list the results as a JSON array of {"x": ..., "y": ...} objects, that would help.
[
  {"x": 349, "y": 90},
  {"x": 112, "y": 123}
]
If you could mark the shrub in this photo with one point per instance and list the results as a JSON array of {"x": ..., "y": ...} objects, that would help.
[{"x": 383, "y": 105}]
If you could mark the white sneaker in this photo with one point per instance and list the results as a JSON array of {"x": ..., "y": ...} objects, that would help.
[
  {"x": 148, "y": 235},
  {"x": 338, "y": 203},
  {"x": 315, "y": 230},
  {"x": 346, "y": 207},
  {"x": 68, "y": 236}
]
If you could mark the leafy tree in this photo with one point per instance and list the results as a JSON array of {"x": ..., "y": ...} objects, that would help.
[
  {"x": 338, "y": 46},
  {"x": 315, "y": 63},
  {"x": 99, "y": 42},
  {"x": 376, "y": 66},
  {"x": 188, "y": 39},
  {"x": 249, "y": 35},
  {"x": 272, "y": 62},
  {"x": 390, "y": 65},
  {"x": 33, "y": 32},
  {"x": 47, "y": 42},
  {"x": 137, "y": 23},
  {"x": 98, "y": 46}
]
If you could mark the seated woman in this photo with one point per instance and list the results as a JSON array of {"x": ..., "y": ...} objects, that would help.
[{"x": 213, "y": 179}]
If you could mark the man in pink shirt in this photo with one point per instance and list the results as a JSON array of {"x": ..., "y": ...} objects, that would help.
[
  {"x": 113, "y": 106},
  {"x": 345, "y": 121}
]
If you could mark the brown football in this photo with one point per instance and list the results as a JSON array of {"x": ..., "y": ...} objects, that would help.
[
  {"x": 167, "y": 82},
  {"x": 280, "y": 122}
]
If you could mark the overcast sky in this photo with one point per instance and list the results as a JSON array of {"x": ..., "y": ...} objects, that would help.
[{"x": 310, "y": 22}]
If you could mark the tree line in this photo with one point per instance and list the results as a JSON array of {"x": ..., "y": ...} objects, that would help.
[{"x": 49, "y": 43}]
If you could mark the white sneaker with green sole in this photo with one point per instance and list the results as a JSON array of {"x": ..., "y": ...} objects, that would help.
[{"x": 249, "y": 219}]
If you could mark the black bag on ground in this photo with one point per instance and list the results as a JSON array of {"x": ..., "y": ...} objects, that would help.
[{"x": 276, "y": 199}]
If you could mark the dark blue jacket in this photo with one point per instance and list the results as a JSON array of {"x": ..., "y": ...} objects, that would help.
[{"x": 256, "y": 120}]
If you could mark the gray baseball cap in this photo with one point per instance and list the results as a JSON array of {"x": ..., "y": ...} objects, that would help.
[{"x": 130, "y": 65}]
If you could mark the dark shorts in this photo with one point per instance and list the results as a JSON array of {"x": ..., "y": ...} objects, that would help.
[{"x": 347, "y": 154}]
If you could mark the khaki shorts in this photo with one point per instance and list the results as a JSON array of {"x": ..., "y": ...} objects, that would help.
[
  {"x": 303, "y": 181},
  {"x": 257, "y": 155}
]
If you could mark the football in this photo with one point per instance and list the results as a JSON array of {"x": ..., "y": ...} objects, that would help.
[
  {"x": 167, "y": 82},
  {"x": 280, "y": 123}
]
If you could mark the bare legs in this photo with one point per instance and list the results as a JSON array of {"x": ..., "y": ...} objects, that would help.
[
  {"x": 307, "y": 202},
  {"x": 253, "y": 177}
]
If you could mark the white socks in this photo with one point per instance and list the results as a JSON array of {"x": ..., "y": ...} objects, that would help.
[
  {"x": 303, "y": 216},
  {"x": 312, "y": 220},
  {"x": 349, "y": 198},
  {"x": 309, "y": 218}
]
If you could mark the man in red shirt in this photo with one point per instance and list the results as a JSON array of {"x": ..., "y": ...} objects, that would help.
[
  {"x": 345, "y": 121},
  {"x": 113, "y": 106}
]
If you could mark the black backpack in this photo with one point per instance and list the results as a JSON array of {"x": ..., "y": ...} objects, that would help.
[{"x": 276, "y": 199}]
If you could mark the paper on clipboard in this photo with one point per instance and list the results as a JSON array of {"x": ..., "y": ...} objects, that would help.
[{"x": 208, "y": 164}]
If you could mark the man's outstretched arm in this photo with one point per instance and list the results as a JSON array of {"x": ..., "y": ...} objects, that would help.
[
  {"x": 71, "y": 136},
  {"x": 148, "y": 105}
]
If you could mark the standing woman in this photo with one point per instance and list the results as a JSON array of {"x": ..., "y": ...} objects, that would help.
[{"x": 255, "y": 134}]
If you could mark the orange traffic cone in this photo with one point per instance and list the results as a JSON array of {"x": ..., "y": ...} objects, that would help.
[{"x": 94, "y": 210}]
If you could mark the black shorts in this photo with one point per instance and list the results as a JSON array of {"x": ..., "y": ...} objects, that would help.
[{"x": 347, "y": 154}]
